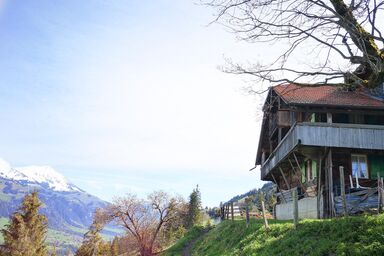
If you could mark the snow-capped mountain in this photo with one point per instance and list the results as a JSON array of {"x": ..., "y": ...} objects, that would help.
[
  {"x": 43, "y": 175},
  {"x": 68, "y": 208}
]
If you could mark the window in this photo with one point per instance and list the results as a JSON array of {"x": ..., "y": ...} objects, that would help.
[
  {"x": 359, "y": 166},
  {"x": 308, "y": 170}
]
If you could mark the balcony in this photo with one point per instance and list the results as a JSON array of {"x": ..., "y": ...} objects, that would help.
[{"x": 325, "y": 135}]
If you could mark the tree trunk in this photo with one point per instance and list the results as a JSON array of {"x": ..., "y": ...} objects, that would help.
[{"x": 370, "y": 73}]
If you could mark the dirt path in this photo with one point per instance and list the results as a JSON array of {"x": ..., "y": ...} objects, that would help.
[{"x": 187, "y": 249}]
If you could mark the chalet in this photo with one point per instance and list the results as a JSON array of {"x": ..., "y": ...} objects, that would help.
[{"x": 313, "y": 136}]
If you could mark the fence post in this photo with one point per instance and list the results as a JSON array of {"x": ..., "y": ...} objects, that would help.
[
  {"x": 264, "y": 217},
  {"x": 221, "y": 211},
  {"x": 232, "y": 216},
  {"x": 247, "y": 214},
  {"x": 381, "y": 191},
  {"x": 295, "y": 208},
  {"x": 342, "y": 187}
]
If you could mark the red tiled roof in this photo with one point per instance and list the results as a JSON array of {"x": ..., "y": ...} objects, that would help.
[{"x": 326, "y": 95}]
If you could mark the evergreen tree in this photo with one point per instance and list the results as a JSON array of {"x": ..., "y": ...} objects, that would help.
[
  {"x": 54, "y": 253},
  {"x": 194, "y": 208},
  {"x": 115, "y": 246},
  {"x": 26, "y": 232},
  {"x": 93, "y": 244}
]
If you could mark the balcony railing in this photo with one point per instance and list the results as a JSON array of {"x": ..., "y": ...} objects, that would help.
[{"x": 325, "y": 135}]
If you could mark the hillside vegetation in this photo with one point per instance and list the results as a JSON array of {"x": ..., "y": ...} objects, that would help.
[{"x": 361, "y": 235}]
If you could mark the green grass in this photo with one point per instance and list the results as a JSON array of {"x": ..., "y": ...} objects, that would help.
[
  {"x": 177, "y": 248},
  {"x": 361, "y": 235},
  {"x": 3, "y": 222}
]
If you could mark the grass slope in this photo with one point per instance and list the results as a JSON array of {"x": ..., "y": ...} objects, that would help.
[
  {"x": 177, "y": 248},
  {"x": 362, "y": 235}
]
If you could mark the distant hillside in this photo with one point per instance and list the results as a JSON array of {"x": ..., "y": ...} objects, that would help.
[
  {"x": 267, "y": 189},
  {"x": 359, "y": 235},
  {"x": 68, "y": 208}
]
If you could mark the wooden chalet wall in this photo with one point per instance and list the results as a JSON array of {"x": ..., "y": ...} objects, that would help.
[{"x": 304, "y": 140}]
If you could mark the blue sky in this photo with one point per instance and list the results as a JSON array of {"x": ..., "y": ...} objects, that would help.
[{"x": 126, "y": 96}]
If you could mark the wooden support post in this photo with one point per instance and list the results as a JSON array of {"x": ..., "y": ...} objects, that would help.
[
  {"x": 342, "y": 188},
  {"x": 331, "y": 205},
  {"x": 285, "y": 179},
  {"x": 329, "y": 118},
  {"x": 247, "y": 214},
  {"x": 379, "y": 194},
  {"x": 232, "y": 216},
  {"x": 290, "y": 162},
  {"x": 295, "y": 208},
  {"x": 264, "y": 216},
  {"x": 319, "y": 194},
  {"x": 297, "y": 161},
  {"x": 382, "y": 194}
]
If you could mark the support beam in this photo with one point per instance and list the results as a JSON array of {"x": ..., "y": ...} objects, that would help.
[
  {"x": 379, "y": 193},
  {"x": 285, "y": 179},
  {"x": 297, "y": 161},
  {"x": 299, "y": 171},
  {"x": 331, "y": 208},
  {"x": 319, "y": 191},
  {"x": 342, "y": 187},
  {"x": 282, "y": 195}
]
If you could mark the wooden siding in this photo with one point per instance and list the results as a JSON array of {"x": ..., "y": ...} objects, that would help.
[{"x": 355, "y": 136}]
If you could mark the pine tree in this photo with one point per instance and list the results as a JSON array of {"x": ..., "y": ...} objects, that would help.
[
  {"x": 54, "y": 253},
  {"x": 93, "y": 244},
  {"x": 115, "y": 246},
  {"x": 26, "y": 232},
  {"x": 194, "y": 212}
]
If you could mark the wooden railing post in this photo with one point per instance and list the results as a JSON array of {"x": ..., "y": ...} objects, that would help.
[{"x": 342, "y": 187}]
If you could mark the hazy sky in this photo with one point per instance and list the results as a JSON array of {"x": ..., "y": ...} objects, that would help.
[{"x": 126, "y": 96}]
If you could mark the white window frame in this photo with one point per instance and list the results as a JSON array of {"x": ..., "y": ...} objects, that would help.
[{"x": 359, "y": 156}]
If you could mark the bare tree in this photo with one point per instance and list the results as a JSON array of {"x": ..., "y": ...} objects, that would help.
[
  {"x": 145, "y": 220},
  {"x": 344, "y": 30}
]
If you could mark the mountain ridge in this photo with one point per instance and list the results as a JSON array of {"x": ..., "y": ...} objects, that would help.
[
  {"x": 68, "y": 208},
  {"x": 43, "y": 174}
]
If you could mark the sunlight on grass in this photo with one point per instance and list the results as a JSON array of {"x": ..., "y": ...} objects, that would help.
[{"x": 362, "y": 235}]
